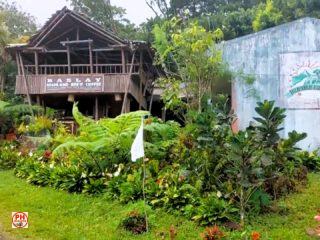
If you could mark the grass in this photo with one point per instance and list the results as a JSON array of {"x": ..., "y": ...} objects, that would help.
[
  {"x": 58, "y": 215},
  {"x": 301, "y": 209}
]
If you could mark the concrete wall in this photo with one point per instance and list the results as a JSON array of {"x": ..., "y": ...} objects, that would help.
[{"x": 258, "y": 54}]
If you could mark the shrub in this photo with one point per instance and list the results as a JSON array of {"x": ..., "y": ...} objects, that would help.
[
  {"x": 212, "y": 233},
  {"x": 213, "y": 209},
  {"x": 310, "y": 160},
  {"x": 94, "y": 186},
  {"x": 8, "y": 155},
  {"x": 134, "y": 222}
]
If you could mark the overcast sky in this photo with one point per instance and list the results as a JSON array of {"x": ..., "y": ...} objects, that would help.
[{"x": 137, "y": 10}]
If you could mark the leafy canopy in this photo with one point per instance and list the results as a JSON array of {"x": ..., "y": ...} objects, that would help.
[{"x": 191, "y": 60}]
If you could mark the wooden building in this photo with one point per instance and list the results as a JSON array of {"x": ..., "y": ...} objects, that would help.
[{"x": 71, "y": 58}]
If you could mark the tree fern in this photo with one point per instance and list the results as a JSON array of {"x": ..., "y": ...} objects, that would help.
[{"x": 105, "y": 134}]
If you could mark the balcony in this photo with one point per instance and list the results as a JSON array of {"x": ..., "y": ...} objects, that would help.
[{"x": 54, "y": 69}]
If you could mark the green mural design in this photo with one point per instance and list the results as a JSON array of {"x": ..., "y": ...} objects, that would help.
[{"x": 310, "y": 79}]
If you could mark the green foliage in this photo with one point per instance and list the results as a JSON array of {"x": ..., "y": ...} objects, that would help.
[
  {"x": 109, "y": 16},
  {"x": 8, "y": 155},
  {"x": 174, "y": 192},
  {"x": 310, "y": 160},
  {"x": 213, "y": 210},
  {"x": 266, "y": 16},
  {"x": 160, "y": 138},
  {"x": 192, "y": 73},
  {"x": 18, "y": 22},
  {"x": 15, "y": 25},
  {"x": 202, "y": 170},
  {"x": 259, "y": 201},
  {"x": 270, "y": 119},
  {"x": 12, "y": 115},
  {"x": 131, "y": 189},
  {"x": 40, "y": 125},
  {"x": 94, "y": 186},
  {"x": 112, "y": 136}
]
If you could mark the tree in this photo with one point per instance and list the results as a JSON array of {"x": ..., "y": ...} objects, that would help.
[
  {"x": 4, "y": 38},
  {"x": 295, "y": 9},
  {"x": 236, "y": 17},
  {"x": 191, "y": 61},
  {"x": 107, "y": 15},
  {"x": 267, "y": 16},
  {"x": 18, "y": 22},
  {"x": 16, "y": 26}
]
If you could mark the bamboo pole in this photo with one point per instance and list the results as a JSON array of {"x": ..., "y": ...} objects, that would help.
[{"x": 144, "y": 193}]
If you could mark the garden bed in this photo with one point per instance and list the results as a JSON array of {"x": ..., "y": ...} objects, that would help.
[{"x": 58, "y": 215}]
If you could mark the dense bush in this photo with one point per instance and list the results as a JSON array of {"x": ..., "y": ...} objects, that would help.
[
  {"x": 8, "y": 155},
  {"x": 202, "y": 170},
  {"x": 12, "y": 115}
]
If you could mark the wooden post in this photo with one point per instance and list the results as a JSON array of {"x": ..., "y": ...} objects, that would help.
[
  {"x": 78, "y": 34},
  {"x": 18, "y": 64},
  {"x": 69, "y": 59},
  {"x": 90, "y": 58},
  {"x": 107, "y": 110},
  {"x": 164, "y": 113},
  {"x": 123, "y": 61},
  {"x": 125, "y": 98},
  {"x": 141, "y": 73},
  {"x": 46, "y": 63},
  {"x": 36, "y": 62},
  {"x": 96, "y": 109},
  {"x": 38, "y": 100},
  {"x": 97, "y": 62},
  {"x": 128, "y": 103},
  {"x": 25, "y": 80}
]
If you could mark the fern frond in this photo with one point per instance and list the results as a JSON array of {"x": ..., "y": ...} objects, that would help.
[{"x": 103, "y": 135}]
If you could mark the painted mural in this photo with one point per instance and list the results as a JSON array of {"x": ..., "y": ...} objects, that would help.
[{"x": 300, "y": 80}]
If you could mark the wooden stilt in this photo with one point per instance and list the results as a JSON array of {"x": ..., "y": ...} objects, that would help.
[
  {"x": 96, "y": 109},
  {"x": 38, "y": 100},
  {"x": 164, "y": 111}
]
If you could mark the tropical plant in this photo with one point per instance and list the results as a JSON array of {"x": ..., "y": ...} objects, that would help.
[
  {"x": 190, "y": 59},
  {"x": 8, "y": 155},
  {"x": 213, "y": 233},
  {"x": 270, "y": 119},
  {"x": 108, "y": 133},
  {"x": 213, "y": 209}
]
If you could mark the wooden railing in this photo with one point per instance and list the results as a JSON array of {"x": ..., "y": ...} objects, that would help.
[{"x": 53, "y": 69}]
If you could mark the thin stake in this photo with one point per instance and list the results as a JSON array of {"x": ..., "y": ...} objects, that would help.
[{"x": 144, "y": 194}]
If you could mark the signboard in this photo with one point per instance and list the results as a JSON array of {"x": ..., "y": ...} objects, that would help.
[
  {"x": 300, "y": 80},
  {"x": 70, "y": 83}
]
